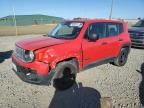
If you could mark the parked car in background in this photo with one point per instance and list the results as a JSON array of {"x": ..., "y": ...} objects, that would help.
[
  {"x": 137, "y": 34},
  {"x": 70, "y": 47}
]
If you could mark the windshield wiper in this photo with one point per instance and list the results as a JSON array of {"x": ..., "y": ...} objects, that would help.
[
  {"x": 61, "y": 37},
  {"x": 52, "y": 36}
]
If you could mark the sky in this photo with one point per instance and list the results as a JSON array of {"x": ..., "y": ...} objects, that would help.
[{"x": 69, "y": 9}]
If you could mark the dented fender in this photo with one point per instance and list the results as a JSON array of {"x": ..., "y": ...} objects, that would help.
[{"x": 53, "y": 56}]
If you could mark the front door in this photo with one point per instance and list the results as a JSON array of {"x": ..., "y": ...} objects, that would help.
[{"x": 95, "y": 50}]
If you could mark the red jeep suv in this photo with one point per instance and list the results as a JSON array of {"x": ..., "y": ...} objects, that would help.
[{"x": 70, "y": 47}]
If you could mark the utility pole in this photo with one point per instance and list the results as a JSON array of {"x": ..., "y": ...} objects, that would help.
[
  {"x": 15, "y": 23},
  {"x": 110, "y": 16}
]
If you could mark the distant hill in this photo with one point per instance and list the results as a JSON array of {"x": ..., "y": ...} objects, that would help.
[{"x": 23, "y": 20}]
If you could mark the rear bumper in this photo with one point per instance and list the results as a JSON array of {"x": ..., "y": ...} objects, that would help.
[{"x": 29, "y": 73}]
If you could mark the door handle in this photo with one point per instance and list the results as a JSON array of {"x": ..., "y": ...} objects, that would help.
[
  {"x": 104, "y": 43},
  {"x": 120, "y": 40}
]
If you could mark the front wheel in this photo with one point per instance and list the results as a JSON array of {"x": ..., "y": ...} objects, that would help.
[
  {"x": 65, "y": 75},
  {"x": 122, "y": 58}
]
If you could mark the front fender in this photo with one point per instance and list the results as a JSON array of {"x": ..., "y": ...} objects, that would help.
[{"x": 53, "y": 57}]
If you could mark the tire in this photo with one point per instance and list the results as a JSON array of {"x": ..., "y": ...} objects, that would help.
[
  {"x": 65, "y": 75},
  {"x": 122, "y": 58}
]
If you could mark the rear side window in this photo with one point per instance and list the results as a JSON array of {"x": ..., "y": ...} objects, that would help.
[
  {"x": 97, "y": 28},
  {"x": 114, "y": 29}
]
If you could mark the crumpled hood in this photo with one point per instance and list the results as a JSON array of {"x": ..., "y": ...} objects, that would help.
[
  {"x": 39, "y": 42},
  {"x": 136, "y": 29}
]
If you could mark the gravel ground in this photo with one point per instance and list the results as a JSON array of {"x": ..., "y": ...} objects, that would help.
[{"x": 121, "y": 84}]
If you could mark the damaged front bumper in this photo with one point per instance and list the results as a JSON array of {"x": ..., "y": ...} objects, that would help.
[{"x": 31, "y": 76}]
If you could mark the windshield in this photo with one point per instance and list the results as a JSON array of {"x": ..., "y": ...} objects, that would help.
[
  {"x": 66, "y": 30},
  {"x": 139, "y": 24}
]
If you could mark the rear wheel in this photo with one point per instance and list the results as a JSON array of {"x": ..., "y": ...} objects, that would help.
[
  {"x": 65, "y": 75},
  {"x": 122, "y": 58}
]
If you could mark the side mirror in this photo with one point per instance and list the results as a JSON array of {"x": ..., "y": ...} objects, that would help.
[{"x": 93, "y": 37}]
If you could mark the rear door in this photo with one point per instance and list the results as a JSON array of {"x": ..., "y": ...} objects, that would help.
[{"x": 114, "y": 34}]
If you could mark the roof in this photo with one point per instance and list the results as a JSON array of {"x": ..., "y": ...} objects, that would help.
[{"x": 96, "y": 20}]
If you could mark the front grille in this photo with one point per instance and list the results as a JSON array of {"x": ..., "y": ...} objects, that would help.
[
  {"x": 141, "y": 41},
  {"x": 136, "y": 35},
  {"x": 137, "y": 38},
  {"x": 19, "y": 52}
]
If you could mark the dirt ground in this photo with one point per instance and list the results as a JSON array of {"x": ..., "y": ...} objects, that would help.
[
  {"x": 124, "y": 85},
  {"x": 24, "y": 30}
]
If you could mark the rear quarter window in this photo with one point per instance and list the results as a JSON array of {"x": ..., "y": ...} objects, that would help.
[{"x": 121, "y": 29}]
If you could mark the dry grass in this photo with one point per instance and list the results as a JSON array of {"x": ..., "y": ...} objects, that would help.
[{"x": 24, "y": 30}]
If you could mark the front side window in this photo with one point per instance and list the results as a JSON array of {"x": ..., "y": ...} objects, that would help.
[
  {"x": 66, "y": 30},
  {"x": 98, "y": 29}
]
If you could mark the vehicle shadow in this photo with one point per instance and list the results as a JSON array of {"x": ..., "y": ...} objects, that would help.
[
  {"x": 5, "y": 55},
  {"x": 141, "y": 86},
  {"x": 76, "y": 97}
]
